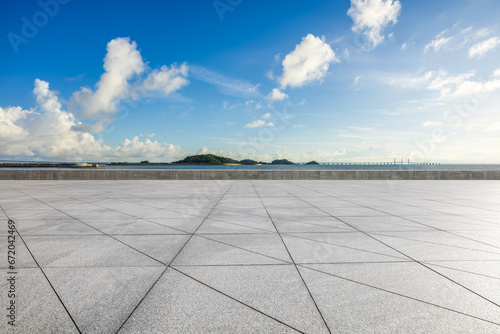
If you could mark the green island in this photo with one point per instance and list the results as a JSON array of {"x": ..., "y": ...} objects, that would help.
[
  {"x": 207, "y": 159},
  {"x": 212, "y": 159}
]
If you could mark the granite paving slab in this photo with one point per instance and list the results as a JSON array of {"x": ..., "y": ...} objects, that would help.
[{"x": 179, "y": 256}]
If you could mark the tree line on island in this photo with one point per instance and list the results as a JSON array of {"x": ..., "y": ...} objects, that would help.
[{"x": 212, "y": 159}]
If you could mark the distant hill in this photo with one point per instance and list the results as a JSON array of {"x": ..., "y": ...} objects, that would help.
[
  {"x": 282, "y": 162},
  {"x": 206, "y": 159},
  {"x": 248, "y": 162},
  {"x": 312, "y": 163}
]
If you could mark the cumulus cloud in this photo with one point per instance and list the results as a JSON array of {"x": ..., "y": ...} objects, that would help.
[
  {"x": 136, "y": 149},
  {"x": 479, "y": 49},
  {"x": 258, "y": 123},
  {"x": 276, "y": 95},
  {"x": 372, "y": 16},
  {"x": 49, "y": 132},
  {"x": 446, "y": 83},
  {"x": 122, "y": 62},
  {"x": 307, "y": 63},
  {"x": 453, "y": 86},
  {"x": 167, "y": 80},
  {"x": 123, "y": 67}
]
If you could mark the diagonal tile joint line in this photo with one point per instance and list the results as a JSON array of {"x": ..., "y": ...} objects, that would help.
[
  {"x": 408, "y": 219},
  {"x": 395, "y": 249},
  {"x": 293, "y": 261},
  {"x": 236, "y": 300},
  {"x": 95, "y": 228},
  {"x": 43, "y": 272},
  {"x": 169, "y": 265},
  {"x": 399, "y": 294}
]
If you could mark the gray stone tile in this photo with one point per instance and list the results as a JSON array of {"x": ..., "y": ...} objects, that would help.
[
  {"x": 178, "y": 304},
  {"x": 276, "y": 290},
  {"x": 268, "y": 244},
  {"x": 188, "y": 225},
  {"x": 349, "y": 307},
  {"x": 259, "y": 225},
  {"x": 85, "y": 251},
  {"x": 337, "y": 247},
  {"x": 46, "y": 213},
  {"x": 160, "y": 247},
  {"x": 202, "y": 251},
  {"x": 22, "y": 256},
  {"x": 359, "y": 211},
  {"x": 54, "y": 227},
  {"x": 38, "y": 310},
  {"x": 453, "y": 223},
  {"x": 308, "y": 224},
  {"x": 485, "y": 286},
  {"x": 429, "y": 246},
  {"x": 295, "y": 212},
  {"x": 242, "y": 278},
  {"x": 238, "y": 213},
  {"x": 384, "y": 223},
  {"x": 489, "y": 236},
  {"x": 415, "y": 281},
  {"x": 137, "y": 226},
  {"x": 483, "y": 268},
  {"x": 101, "y": 299},
  {"x": 172, "y": 214}
]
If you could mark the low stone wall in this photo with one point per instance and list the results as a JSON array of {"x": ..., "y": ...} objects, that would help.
[{"x": 183, "y": 174}]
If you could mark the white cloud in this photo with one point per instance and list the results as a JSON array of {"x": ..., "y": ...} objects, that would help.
[
  {"x": 456, "y": 38},
  {"x": 276, "y": 95},
  {"x": 372, "y": 16},
  {"x": 431, "y": 123},
  {"x": 267, "y": 116},
  {"x": 476, "y": 87},
  {"x": 258, "y": 123},
  {"x": 253, "y": 105},
  {"x": 447, "y": 83},
  {"x": 48, "y": 132},
  {"x": 437, "y": 44},
  {"x": 307, "y": 63},
  {"x": 356, "y": 79},
  {"x": 479, "y": 49},
  {"x": 122, "y": 64},
  {"x": 136, "y": 149},
  {"x": 452, "y": 86},
  {"x": 167, "y": 80},
  {"x": 403, "y": 46},
  {"x": 148, "y": 135},
  {"x": 460, "y": 86}
]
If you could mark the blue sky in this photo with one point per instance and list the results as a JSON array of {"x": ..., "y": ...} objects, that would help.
[{"x": 359, "y": 80}]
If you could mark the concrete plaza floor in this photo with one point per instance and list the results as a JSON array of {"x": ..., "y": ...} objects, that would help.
[{"x": 253, "y": 256}]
